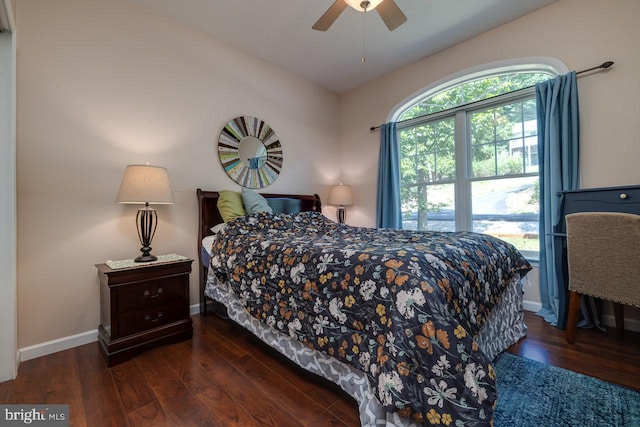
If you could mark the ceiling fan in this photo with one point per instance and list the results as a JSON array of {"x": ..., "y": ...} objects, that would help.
[{"x": 387, "y": 9}]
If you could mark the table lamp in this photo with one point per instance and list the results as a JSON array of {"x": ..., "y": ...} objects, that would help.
[
  {"x": 341, "y": 196},
  {"x": 145, "y": 185}
]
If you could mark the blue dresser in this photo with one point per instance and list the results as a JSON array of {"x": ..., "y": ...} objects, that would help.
[{"x": 610, "y": 199}]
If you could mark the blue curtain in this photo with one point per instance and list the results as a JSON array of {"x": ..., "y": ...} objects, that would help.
[
  {"x": 388, "y": 213},
  {"x": 558, "y": 150}
]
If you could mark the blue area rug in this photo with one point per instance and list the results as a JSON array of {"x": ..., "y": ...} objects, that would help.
[{"x": 531, "y": 393}]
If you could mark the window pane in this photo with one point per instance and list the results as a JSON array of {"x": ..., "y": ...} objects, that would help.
[
  {"x": 446, "y": 165},
  {"x": 483, "y": 160},
  {"x": 476, "y": 90},
  {"x": 427, "y": 153},
  {"x": 426, "y": 168},
  {"x": 429, "y": 207},
  {"x": 508, "y": 119},
  {"x": 509, "y": 158},
  {"x": 531, "y": 154},
  {"x": 443, "y": 133},
  {"x": 482, "y": 127},
  {"x": 529, "y": 113},
  {"x": 502, "y": 141},
  {"x": 508, "y": 209}
]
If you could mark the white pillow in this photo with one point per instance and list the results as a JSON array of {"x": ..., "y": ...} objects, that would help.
[
  {"x": 218, "y": 227},
  {"x": 207, "y": 243}
]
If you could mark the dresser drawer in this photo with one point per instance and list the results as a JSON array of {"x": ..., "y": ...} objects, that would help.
[
  {"x": 154, "y": 293},
  {"x": 614, "y": 199},
  {"x": 134, "y": 321}
]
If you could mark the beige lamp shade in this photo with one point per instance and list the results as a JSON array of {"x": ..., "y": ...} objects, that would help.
[
  {"x": 143, "y": 184},
  {"x": 340, "y": 195}
]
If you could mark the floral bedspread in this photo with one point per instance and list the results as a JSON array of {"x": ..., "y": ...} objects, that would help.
[{"x": 402, "y": 306}]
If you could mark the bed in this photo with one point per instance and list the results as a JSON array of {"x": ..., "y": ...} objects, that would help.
[
  {"x": 405, "y": 322},
  {"x": 209, "y": 217}
]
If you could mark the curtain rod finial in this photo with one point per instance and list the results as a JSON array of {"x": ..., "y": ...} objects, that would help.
[{"x": 607, "y": 64}]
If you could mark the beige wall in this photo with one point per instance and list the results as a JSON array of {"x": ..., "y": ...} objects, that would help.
[
  {"x": 580, "y": 33},
  {"x": 103, "y": 84}
]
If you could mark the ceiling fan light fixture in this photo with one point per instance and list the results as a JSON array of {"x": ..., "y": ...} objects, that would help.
[
  {"x": 388, "y": 10},
  {"x": 359, "y": 4}
]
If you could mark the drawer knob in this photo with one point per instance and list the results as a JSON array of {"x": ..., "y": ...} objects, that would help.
[
  {"x": 148, "y": 293},
  {"x": 149, "y": 319},
  {"x": 623, "y": 196}
]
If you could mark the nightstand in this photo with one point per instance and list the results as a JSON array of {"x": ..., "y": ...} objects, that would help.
[{"x": 143, "y": 305}]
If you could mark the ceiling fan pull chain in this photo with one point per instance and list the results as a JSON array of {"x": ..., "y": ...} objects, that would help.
[{"x": 364, "y": 5}]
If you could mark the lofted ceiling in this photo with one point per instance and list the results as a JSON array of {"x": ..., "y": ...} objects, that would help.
[{"x": 279, "y": 31}]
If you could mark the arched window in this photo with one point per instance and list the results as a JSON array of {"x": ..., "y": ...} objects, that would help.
[{"x": 468, "y": 154}]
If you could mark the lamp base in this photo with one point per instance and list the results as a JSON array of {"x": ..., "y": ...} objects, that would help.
[
  {"x": 146, "y": 258},
  {"x": 147, "y": 220},
  {"x": 341, "y": 213}
]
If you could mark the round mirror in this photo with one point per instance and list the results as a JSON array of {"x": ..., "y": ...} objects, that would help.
[{"x": 250, "y": 152}]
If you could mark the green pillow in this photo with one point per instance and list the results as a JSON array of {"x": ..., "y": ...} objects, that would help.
[
  {"x": 230, "y": 205},
  {"x": 254, "y": 202}
]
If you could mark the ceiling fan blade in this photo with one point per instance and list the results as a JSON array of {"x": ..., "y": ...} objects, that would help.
[
  {"x": 330, "y": 16},
  {"x": 391, "y": 14}
]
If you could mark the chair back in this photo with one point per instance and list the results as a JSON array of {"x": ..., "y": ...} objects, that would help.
[{"x": 603, "y": 251}]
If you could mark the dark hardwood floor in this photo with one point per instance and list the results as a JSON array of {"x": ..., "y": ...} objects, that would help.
[{"x": 224, "y": 377}]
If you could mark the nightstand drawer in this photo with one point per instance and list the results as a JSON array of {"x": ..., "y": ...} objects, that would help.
[
  {"x": 134, "y": 321},
  {"x": 149, "y": 294}
]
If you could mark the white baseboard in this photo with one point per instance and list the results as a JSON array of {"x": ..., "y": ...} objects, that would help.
[
  {"x": 608, "y": 319},
  {"x": 629, "y": 324},
  {"x": 65, "y": 343},
  {"x": 194, "y": 309},
  {"x": 532, "y": 306},
  {"x": 49, "y": 347}
]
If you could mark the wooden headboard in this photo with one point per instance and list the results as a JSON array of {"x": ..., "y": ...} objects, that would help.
[{"x": 210, "y": 216}]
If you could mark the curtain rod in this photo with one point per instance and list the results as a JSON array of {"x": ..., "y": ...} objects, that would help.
[{"x": 604, "y": 65}]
